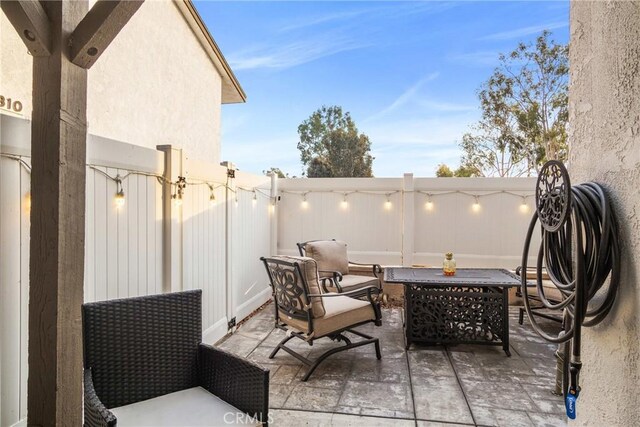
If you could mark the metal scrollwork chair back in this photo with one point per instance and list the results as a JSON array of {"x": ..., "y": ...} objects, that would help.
[{"x": 307, "y": 313}]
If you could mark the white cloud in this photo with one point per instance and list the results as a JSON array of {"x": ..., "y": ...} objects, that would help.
[
  {"x": 404, "y": 98},
  {"x": 525, "y": 31},
  {"x": 482, "y": 58},
  {"x": 287, "y": 55}
]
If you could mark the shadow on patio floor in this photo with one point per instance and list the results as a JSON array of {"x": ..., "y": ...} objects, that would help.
[{"x": 425, "y": 386}]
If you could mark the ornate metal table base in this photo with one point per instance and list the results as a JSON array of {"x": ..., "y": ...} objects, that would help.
[
  {"x": 471, "y": 307},
  {"x": 457, "y": 315}
]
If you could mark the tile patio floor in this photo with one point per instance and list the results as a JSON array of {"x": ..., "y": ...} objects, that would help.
[{"x": 426, "y": 386}]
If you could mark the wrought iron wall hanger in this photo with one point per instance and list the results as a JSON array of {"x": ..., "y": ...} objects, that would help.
[{"x": 580, "y": 251}]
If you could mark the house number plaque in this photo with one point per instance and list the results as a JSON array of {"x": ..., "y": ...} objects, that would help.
[{"x": 10, "y": 104}]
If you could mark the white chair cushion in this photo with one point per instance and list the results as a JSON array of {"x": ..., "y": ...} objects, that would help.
[{"x": 190, "y": 407}]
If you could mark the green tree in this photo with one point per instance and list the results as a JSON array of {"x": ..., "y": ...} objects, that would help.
[
  {"x": 524, "y": 112},
  {"x": 444, "y": 171},
  {"x": 466, "y": 171},
  {"x": 463, "y": 171},
  {"x": 331, "y": 146},
  {"x": 277, "y": 171}
]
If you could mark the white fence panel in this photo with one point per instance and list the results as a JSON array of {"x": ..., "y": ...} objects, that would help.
[
  {"x": 250, "y": 240},
  {"x": 376, "y": 226},
  {"x": 488, "y": 234},
  {"x": 123, "y": 245},
  {"x": 14, "y": 288},
  {"x": 364, "y": 212},
  {"x": 203, "y": 245}
]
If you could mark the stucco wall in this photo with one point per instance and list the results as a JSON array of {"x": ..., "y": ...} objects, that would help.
[
  {"x": 604, "y": 107},
  {"x": 154, "y": 85}
]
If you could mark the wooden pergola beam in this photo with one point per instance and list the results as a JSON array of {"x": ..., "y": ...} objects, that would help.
[
  {"x": 58, "y": 160},
  {"x": 99, "y": 28},
  {"x": 56, "y": 266},
  {"x": 30, "y": 20}
]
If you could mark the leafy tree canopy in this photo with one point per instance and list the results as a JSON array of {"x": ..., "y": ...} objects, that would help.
[
  {"x": 463, "y": 171},
  {"x": 331, "y": 146},
  {"x": 277, "y": 171},
  {"x": 524, "y": 112}
]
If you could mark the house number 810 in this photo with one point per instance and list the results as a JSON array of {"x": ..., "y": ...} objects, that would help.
[{"x": 10, "y": 104}]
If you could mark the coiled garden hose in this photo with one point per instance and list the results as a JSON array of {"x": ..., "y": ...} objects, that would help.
[{"x": 580, "y": 251}]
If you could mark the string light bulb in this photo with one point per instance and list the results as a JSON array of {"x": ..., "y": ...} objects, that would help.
[
  {"x": 119, "y": 199},
  {"x": 27, "y": 202},
  {"x": 387, "y": 204},
  {"x": 476, "y": 204},
  {"x": 429, "y": 204},
  {"x": 304, "y": 203},
  {"x": 344, "y": 202},
  {"x": 524, "y": 208},
  {"x": 255, "y": 198}
]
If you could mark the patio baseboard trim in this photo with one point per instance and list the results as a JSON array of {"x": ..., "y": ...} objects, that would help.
[
  {"x": 248, "y": 307},
  {"x": 214, "y": 333}
]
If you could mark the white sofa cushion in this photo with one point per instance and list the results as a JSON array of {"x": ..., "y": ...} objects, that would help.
[{"x": 190, "y": 407}]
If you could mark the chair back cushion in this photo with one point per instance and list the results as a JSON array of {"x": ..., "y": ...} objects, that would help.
[
  {"x": 331, "y": 255},
  {"x": 143, "y": 347},
  {"x": 289, "y": 289}
]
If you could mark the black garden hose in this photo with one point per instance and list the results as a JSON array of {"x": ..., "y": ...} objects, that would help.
[{"x": 578, "y": 263}]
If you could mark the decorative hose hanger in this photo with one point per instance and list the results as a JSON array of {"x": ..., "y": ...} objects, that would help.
[{"x": 580, "y": 251}]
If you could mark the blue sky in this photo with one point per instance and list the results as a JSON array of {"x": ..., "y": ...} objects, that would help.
[{"x": 407, "y": 72}]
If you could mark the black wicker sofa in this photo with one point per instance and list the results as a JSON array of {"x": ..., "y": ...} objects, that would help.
[{"x": 145, "y": 365}]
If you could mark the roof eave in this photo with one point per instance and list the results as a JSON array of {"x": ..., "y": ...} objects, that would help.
[{"x": 232, "y": 92}]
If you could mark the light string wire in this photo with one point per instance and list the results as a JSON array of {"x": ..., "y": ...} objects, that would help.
[
  {"x": 18, "y": 159},
  {"x": 429, "y": 194}
]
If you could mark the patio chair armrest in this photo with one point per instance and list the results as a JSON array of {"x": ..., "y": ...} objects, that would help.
[
  {"x": 376, "y": 268},
  {"x": 95, "y": 413},
  {"x": 336, "y": 277},
  {"x": 235, "y": 380}
]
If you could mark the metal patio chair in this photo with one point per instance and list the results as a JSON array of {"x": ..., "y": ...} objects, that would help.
[
  {"x": 333, "y": 263},
  {"x": 305, "y": 313},
  {"x": 145, "y": 364}
]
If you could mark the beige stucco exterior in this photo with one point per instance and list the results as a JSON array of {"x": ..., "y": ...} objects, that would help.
[
  {"x": 604, "y": 106},
  {"x": 156, "y": 83}
]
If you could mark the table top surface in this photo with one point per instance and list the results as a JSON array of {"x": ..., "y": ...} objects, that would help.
[{"x": 463, "y": 276}]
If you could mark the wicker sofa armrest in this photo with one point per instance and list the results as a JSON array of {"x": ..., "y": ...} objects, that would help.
[
  {"x": 235, "y": 380},
  {"x": 95, "y": 413}
]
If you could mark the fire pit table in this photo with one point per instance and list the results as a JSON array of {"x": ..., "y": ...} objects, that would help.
[{"x": 471, "y": 307}]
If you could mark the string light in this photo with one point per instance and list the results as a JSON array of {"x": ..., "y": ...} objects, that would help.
[
  {"x": 524, "y": 208},
  {"x": 344, "y": 203},
  {"x": 304, "y": 203},
  {"x": 255, "y": 198},
  {"x": 476, "y": 204},
  {"x": 180, "y": 186},
  {"x": 212, "y": 196},
  {"x": 429, "y": 204},
  {"x": 387, "y": 204},
  {"x": 119, "y": 199},
  {"x": 27, "y": 202}
]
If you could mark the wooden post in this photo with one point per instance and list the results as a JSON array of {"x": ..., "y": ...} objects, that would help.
[{"x": 58, "y": 153}]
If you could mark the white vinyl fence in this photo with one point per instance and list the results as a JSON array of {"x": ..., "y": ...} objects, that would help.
[
  {"x": 152, "y": 243},
  {"x": 210, "y": 234},
  {"x": 410, "y": 221}
]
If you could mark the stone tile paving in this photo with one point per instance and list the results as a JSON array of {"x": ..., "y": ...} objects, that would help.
[{"x": 460, "y": 385}]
